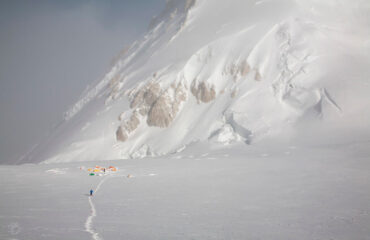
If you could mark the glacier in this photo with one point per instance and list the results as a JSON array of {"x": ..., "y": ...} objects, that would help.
[{"x": 242, "y": 119}]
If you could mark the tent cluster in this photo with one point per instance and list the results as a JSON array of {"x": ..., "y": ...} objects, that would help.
[{"x": 98, "y": 169}]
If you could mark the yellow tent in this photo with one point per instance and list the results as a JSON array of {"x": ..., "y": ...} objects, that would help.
[
  {"x": 96, "y": 170},
  {"x": 90, "y": 169}
]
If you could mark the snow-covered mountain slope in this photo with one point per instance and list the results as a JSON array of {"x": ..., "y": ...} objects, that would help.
[{"x": 226, "y": 71}]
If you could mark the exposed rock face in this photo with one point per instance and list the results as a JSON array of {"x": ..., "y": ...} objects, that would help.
[
  {"x": 237, "y": 70},
  {"x": 129, "y": 126},
  {"x": 146, "y": 96},
  {"x": 202, "y": 92},
  {"x": 158, "y": 105},
  {"x": 160, "y": 115},
  {"x": 121, "y": 134},
  {"x": 152, "y": 94},
  {"x": 166, "y": 107},
  {"x": 137, "y": 99},
  {"x": 133, "y": 123},
  {"x": 143, "y": 111}
]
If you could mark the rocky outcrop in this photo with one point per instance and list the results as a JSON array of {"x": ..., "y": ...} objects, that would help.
[
  {"x": 139, "y": 96},
  {"x": 146, "y": 96},
  {"x": 127, "y": 127},
  {"x": 160, "y": 114},
  {"x": 121, "y": 134},
  {"x": 152, "y": 94},
  {"x": 166, "y": 107},
  {"x": 237, "y": 69},
  {"x": 159, "y": 106},
  {"x": 202, "y": 92},
  {"x": 132, "y": 123}
]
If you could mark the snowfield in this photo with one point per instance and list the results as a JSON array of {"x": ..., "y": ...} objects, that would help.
[
  {"x": 205, "y": 192},
  {"x": 236, "y": 119}
]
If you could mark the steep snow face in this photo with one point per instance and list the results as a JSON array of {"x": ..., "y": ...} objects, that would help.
[{"x": 221, "y": 71}]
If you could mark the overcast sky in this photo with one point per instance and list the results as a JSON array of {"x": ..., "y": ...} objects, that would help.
[{"x": 50, "y": 51}]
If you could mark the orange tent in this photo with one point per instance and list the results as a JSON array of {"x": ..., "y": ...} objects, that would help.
[
  {"x": 112, "y": 168},
  {"x": 90, "y": 169}
]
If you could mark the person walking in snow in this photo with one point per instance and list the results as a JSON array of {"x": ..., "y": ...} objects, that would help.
[{"x": 91, "y": 192}]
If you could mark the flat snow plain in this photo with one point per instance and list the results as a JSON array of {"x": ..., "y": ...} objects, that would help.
[{"x": 205, "y": 192}]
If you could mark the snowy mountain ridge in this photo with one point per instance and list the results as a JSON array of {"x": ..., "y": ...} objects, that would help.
[
  {"x": 170, "y": 12},
  {"x": 224, "y": 72}
]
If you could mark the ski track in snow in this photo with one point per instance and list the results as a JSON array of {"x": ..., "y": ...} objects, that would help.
[{"x": 89, "y": 221}]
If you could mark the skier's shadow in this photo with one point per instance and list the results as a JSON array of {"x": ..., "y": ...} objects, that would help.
[{"x": 86, "y": 194}]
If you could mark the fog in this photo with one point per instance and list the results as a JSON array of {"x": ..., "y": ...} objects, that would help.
[{"x": 49, "y": 52}]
